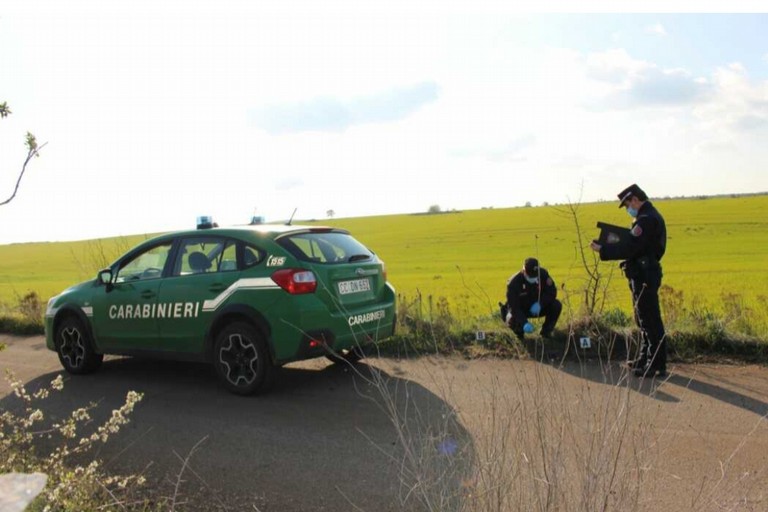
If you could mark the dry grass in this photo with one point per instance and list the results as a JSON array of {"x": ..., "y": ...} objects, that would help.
[{"x": 536, "y": 441}]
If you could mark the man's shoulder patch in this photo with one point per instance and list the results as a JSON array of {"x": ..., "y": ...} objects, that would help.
[{"x": 636, "y": 230}]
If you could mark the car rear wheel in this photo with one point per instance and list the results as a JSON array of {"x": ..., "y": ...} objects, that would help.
[
  {"x": 75, "y": 348},
  {"x": 242, "y": 360}
]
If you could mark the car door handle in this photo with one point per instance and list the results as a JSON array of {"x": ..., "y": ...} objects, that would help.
[
  {"x": 217, "y": 287},
  {"x": 147, "y": 294}
]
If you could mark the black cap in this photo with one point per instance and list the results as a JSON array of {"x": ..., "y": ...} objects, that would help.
[
  {"x": 629, "y": 192},
  {"x": 531, "y": 266}
]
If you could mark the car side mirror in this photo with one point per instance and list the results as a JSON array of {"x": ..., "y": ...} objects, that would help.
[{"x": 105, "y": 277}]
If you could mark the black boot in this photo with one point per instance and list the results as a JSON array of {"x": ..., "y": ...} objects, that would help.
[
  {"x": 641, "y": 361},
  {"x": 656, "y": 361}
]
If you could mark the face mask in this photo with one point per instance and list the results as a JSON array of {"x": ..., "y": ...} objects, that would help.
[
  {"x": 532, "y": 280},
  {"x": 631, "y": 211}
]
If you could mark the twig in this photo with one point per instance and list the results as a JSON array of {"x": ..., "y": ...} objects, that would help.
[
  {"x": 32, "y": 152},
  {"x": 185, "y": 463},
  {"x": 345, "y": 497}
]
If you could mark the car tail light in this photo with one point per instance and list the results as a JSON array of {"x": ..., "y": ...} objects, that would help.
[
  {"x": 384, "y": 271},
  {"x": 295, "y": 280}
]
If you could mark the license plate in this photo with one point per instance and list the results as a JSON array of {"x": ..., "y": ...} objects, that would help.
[{"x": 356, "y": 286}]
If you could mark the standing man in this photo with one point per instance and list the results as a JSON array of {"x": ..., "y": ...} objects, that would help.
[
  {"x": 532, "y": 293},
  {"x": 642, "y": 266}
]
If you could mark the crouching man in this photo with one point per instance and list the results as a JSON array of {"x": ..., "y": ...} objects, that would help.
[{"x": 531, "y": 293}]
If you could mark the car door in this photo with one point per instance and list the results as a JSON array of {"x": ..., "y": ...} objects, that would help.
[
  {"x": 203, "y": 270},
  {"x": 124, "y": 311}
]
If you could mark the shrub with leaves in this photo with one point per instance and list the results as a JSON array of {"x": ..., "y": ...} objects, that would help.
[
  {"x": 31, "y": 306},
  {"x": 72, "y": 484}
]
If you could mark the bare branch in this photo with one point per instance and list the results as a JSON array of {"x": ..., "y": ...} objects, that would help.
[
  {"x": 33, "y": 151},
  {"x": 597, "y": 282}
]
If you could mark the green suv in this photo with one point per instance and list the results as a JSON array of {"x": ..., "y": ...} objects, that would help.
[{"x": 246, "y": 299}]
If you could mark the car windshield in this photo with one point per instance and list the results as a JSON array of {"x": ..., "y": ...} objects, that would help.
[{"x": 325, "y": 247}]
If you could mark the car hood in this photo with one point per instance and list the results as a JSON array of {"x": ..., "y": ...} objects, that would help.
[{"x": 79, "y": 286}]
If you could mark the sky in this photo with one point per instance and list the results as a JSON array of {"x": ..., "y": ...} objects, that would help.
[{"x": 154, "y": 113}]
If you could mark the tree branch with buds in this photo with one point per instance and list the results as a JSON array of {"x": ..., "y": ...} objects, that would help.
[{"x": 33, "y": 150}]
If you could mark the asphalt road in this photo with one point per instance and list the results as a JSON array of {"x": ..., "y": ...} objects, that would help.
[{"x": 322, "y": 439}]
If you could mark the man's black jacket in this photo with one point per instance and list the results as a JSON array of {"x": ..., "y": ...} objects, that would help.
[
  {"x": 521, "y": 294},
  {"x": 647, "y": 246}
]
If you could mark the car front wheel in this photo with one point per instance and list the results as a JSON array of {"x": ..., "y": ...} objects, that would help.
[
  {"x": 75, "y": 349},
  {"x": 242, "y": 360}
]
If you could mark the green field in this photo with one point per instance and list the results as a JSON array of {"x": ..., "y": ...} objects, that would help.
[{"x": 717, "y": 247}]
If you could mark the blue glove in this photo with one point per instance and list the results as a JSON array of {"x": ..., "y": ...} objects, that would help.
[
  {"x": 528, "y": 327},
  {"x": 536, "y": 309}
]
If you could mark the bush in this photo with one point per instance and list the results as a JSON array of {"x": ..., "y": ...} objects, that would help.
[
  {"x": 31, "y": 307},
  {"x": 616, "y": 318},
  {"x": 26, "y": 318},
  {"x": 16, "y": 323},
  {"x": 71, "y": 486},
  {"x": 429, "y": 326}
]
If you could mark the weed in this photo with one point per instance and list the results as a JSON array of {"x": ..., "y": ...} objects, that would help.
[
  {"x": 671, "y": 301},
  {"x": 72, "y": 485},
  {"x": 616, "y": 317},
  {"x": 31, "y": 307},
  {"x": 18, "y": 324}
]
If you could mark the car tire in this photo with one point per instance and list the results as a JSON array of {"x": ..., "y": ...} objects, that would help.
[
  {"x": 75, "y": 347},
  {"x": 242, "y": 360},
  {"x": 349, "y": 356}
]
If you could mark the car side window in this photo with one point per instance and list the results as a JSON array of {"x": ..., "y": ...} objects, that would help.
[
  {"x": 205, "y": 255},
  {"x": 227, "y": 261},
  {"x": 252, "y": 256},
  {"x": 148, "y": 264}
]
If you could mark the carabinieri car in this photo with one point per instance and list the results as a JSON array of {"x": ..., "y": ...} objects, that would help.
[{"x": 245, "y": 299}]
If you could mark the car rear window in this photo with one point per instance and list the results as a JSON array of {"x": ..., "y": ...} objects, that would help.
[{"x": 325, "y": 247}]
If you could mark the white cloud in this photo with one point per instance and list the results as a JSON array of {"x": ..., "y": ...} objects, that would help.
[
  {"x": 635, "y": 83},
  {"x": 737, "y": 105},
  {"x": 338, "y": 114},
  {"x": 615, "y": 66},
  {"x": 512, "y": 151},
  {"x": 657, "y": 29}
]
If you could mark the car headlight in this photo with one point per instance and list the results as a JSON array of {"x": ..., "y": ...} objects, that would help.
[{"x": 49, "y": 306}]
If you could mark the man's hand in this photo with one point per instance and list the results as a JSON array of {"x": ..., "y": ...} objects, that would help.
[
  {"x": 536, "y": 309},
  {"x": 595, "y": 246}
]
